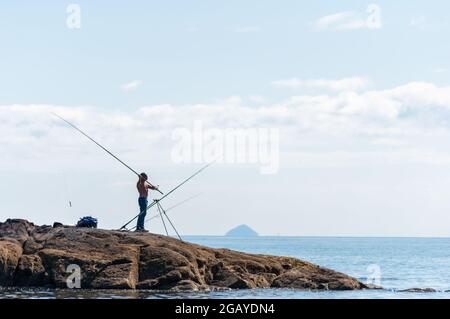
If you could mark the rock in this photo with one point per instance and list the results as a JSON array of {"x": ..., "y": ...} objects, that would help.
[
  {"x": 47, "y": 256},
  {"x": 310, "y": 276},
  {"x": 30, "y": 272},
  {"x": 373, "y": 286},
  {"x": 10, "y": 254},
  {"x": 16, "y": 230},
  {"x": 418, "y": 290}
]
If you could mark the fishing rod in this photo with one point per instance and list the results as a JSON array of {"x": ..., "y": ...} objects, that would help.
[
  {"x": 180, "y": 203},
  {"x": 168, "y": 209},
  {"x": 103, "y": 148},
  {"x": 167, "y": 194}
]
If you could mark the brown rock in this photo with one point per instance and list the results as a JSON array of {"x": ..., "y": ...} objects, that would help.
[
  {"x": 125, "y": 260},
  {"x": 30, "y": 272},
  {"x": 9, "y": 258},
  {"x": 314, "y": 277}
]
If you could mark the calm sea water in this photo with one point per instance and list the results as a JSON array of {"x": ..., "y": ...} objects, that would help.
[{"x": 398, "y": 263}]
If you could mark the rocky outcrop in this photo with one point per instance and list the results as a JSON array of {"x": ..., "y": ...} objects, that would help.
[{"x": 50, "y": 256}]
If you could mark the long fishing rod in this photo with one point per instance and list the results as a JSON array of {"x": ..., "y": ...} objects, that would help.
[
  {"x": 169, "y": 209},
  {"x": 167, "y": 194},
  {"x": 103, "y": 148},
  {"x": 180, "y": 203}
]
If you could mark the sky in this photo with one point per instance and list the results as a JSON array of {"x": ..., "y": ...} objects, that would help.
[{"x": 348, "y": 104}]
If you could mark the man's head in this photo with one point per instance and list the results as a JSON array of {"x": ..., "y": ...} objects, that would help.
[{"x": 144, "y": 176}]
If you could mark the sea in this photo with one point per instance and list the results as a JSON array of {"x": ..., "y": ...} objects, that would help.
[{"x": 396, "y": 264}]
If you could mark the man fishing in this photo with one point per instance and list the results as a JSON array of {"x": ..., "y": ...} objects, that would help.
[{"x": 143, "y": 186}]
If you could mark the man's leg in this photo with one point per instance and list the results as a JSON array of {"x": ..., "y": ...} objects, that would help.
[{"x": 143, "y": 213}]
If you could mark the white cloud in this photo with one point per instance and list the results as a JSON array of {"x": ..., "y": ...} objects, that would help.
[
  {"x": 131, "y": 86},
  {"x": 344, "y": 84},
  {"x": 399, "y": 124},
  {"x": 334, "y": 18},
  {"x": 350, "y": 20},
  {"x": 340, "y": 21}
]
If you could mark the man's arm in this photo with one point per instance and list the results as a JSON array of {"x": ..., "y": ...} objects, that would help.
[{"x": 151, "y": 186}]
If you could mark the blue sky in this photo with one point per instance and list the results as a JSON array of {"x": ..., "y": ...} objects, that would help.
[
  {"x": 364, "y": 112},
  {"x": 198, "y": 51}
]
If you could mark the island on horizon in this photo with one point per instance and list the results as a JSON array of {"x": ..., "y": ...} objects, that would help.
[{"x": 241, "y": 231}]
